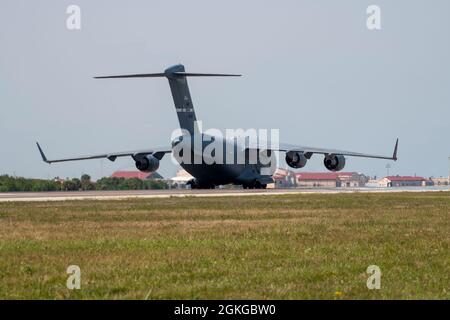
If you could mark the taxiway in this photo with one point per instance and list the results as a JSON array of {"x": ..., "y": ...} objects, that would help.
[{"x": 127, "y": 194}]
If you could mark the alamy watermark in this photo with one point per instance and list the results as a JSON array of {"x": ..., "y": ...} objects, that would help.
[
  {"x": 374, "y": 19},
  {"x": 73, "y": 21},
  {"x": 234, "y": 147},
  {"x": 74, "y": 279},
  {"x": 374, "y": 280}
]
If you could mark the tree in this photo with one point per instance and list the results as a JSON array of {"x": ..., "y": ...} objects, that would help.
[
  {"x": 11, "y": 184},
  {"x": 86, "y": 183}
]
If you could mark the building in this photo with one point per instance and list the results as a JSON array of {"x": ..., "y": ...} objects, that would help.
[
  {"x": 441, "y": 181},
  {"x": 373, "y": 183},
  {"x": 181, "y": 179},
  {"x": 288, "y": 179},
  {"x": 331, "y": 179},
  {"x": 137, "y": 175},
  {"x": 283, "y": 179},
  {"x": 402, "y": 181}
]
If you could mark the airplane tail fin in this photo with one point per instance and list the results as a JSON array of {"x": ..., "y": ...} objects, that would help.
[{"x": 180, "y": 91}]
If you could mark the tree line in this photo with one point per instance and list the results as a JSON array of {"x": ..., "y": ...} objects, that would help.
[{"x": 19, "y": 184}]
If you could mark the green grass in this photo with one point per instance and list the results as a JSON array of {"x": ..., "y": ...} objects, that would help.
[{"x": 263, "y": 247}]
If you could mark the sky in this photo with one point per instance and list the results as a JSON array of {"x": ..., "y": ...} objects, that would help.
[{"x": 310, "y": 68}]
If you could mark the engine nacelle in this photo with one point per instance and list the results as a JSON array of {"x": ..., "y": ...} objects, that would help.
[
  {"x": 296, "y": 159},
  {"x": 146, "y": 163},
  {"x": 334, "y": 162}
]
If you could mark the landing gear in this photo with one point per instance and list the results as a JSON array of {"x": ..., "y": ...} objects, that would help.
[
  {"x": 255, "y": 185},
  {"x": 195, "y": 184}
]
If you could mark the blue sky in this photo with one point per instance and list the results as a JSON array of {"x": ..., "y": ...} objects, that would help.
[{"x": 311, "y": 69}]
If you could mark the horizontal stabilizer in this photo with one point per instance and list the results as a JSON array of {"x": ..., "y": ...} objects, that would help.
[
  {"x": 143, "y": 75},
  {"x": 168, "y": 75},
  {"x": 190, "y": 74}
]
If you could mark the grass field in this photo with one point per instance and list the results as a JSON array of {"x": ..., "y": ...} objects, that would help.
[{"x": 312, "y": 246}]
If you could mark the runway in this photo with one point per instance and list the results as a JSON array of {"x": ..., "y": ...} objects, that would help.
[{"x": 132, "y": 194}]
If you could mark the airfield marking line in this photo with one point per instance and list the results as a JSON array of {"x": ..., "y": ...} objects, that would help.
[{"x": 215, "y": 194}]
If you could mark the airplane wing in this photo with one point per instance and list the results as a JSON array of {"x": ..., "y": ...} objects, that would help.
[
  {"x": 308, "y": 151},
  {"x": 156, "y": 152}
]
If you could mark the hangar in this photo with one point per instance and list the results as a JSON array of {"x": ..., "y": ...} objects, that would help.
[
  {"x": 331, "y": 179},
  {"x": 402, "y": 181}
]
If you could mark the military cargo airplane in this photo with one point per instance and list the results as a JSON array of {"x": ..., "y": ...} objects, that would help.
[{"x": 209, "y": 174}]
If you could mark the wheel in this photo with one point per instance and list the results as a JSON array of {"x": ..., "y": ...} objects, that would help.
[{"x": 204, "y": 186}]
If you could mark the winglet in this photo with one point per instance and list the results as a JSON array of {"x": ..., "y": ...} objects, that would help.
[
  {"x": 44, "y": 158},
  {"x": 394, "y": 156}
]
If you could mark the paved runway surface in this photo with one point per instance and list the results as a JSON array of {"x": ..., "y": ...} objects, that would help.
[{"x": 119, "y": 195}]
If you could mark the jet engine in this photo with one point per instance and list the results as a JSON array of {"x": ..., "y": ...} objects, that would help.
[
  {"x": 334, "y": 162},
  {"x": 147, "y": 163},
  {"x": 296, "y": 159}
]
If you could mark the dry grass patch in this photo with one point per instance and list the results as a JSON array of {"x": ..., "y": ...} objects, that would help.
[{"x": 268, "y": 247}]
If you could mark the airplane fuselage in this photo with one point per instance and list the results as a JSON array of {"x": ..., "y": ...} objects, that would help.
[{"x": 215, "y": 160}]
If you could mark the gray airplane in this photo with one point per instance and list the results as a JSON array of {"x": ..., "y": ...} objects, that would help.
[{"x": 210, "y": 169}]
